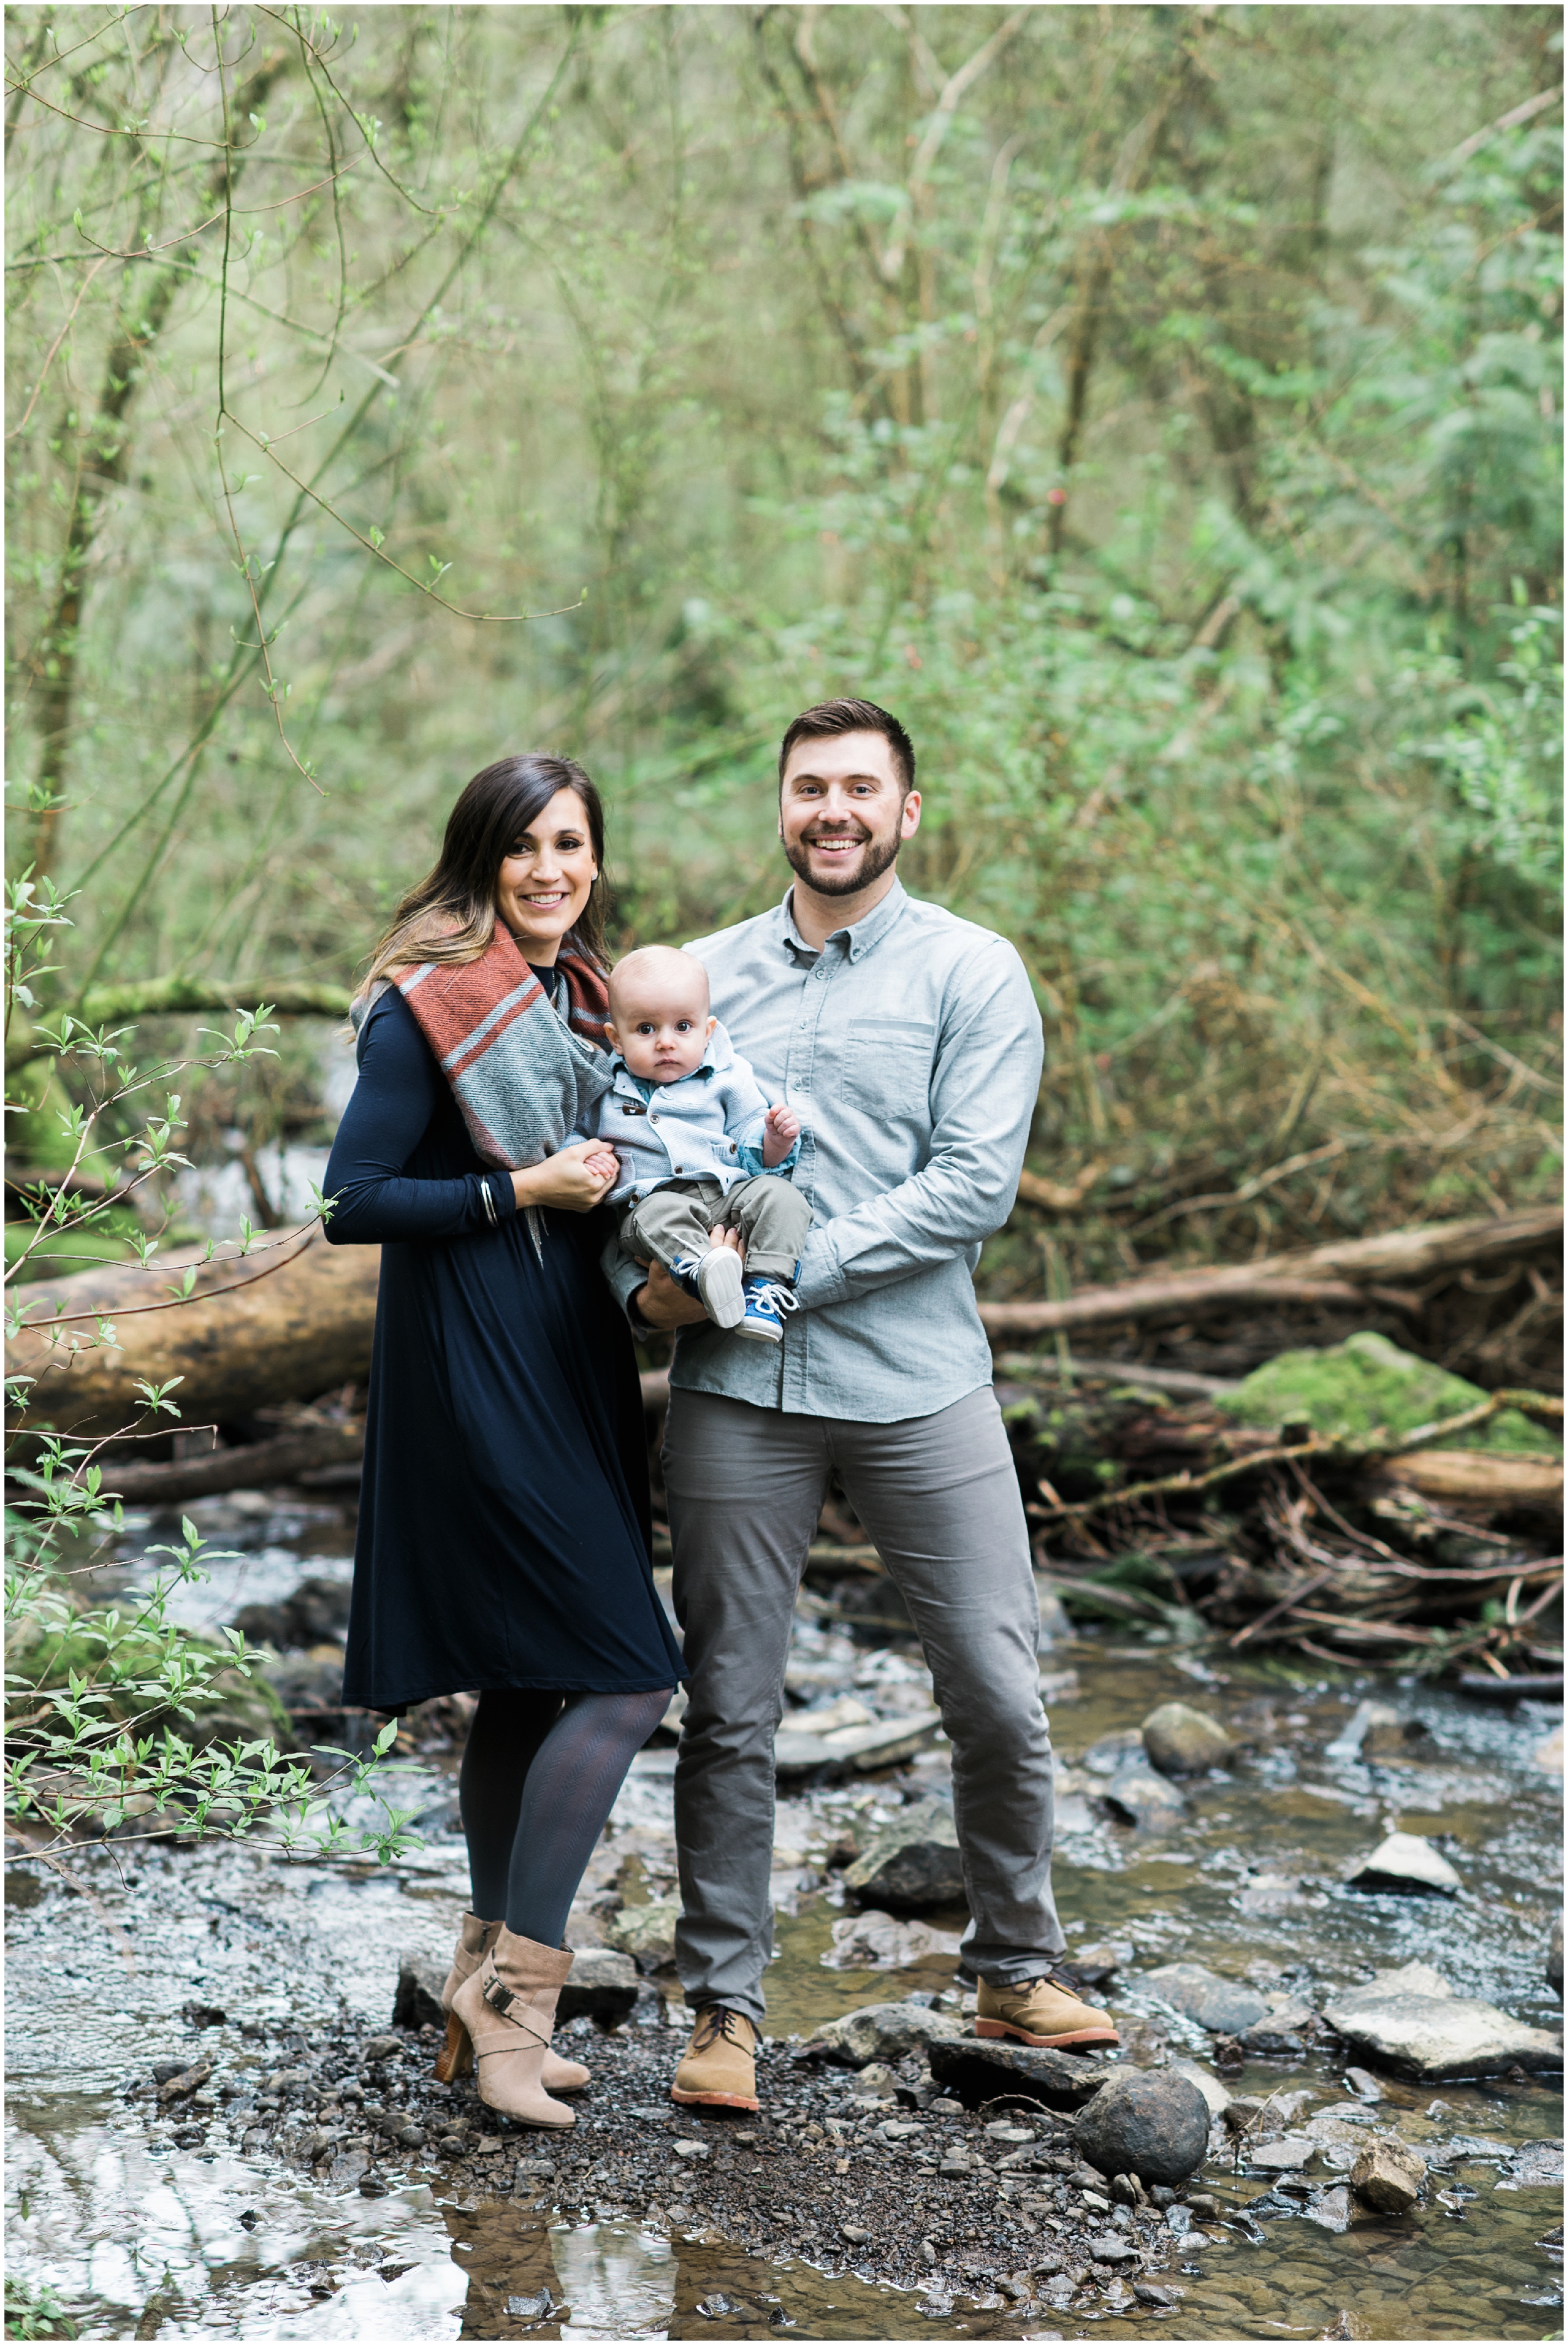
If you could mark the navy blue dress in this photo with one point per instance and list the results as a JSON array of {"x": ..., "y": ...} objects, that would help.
[{"x": 503, "y": 1536}]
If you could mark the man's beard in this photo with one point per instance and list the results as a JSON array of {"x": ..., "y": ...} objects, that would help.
[{"x": 880, "y": 856}]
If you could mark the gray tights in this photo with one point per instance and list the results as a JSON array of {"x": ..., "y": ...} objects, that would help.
[{"x": 539, "y": 1775}]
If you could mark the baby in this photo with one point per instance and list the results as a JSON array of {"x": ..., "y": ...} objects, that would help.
[{"x": 699, "y": 1148}]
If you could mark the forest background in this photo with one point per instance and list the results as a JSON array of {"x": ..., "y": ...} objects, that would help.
[{"x": 1159, "y": 407}]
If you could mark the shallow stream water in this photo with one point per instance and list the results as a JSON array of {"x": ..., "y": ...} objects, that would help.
[{"x": 144, "y": 2239}]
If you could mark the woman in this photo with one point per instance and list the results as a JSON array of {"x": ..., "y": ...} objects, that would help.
[{"x": 503, "y": 1540}]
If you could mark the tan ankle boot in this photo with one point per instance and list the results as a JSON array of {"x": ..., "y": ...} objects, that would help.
[
  {"x": 508, "y": 2006},
  {"x": 1043, "y": 2011},
  {"x": 455, "y": 2058}
]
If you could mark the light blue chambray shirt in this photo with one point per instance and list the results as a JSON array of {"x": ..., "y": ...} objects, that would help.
[{"x": 910, "y": 1047}]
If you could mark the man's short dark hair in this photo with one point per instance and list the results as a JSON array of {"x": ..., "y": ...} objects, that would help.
[{"x": 833, "y": 716}]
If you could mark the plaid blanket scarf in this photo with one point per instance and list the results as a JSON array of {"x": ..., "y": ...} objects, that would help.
[{"x": 523, "y": 1075}]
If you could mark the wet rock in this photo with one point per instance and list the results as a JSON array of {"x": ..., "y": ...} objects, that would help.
[
  {"x": 380, "y": 2047},
  {"x": 1212, "y": 2090},
  {"x": 875, "y": 1941},
  {"x": 1285, "y": 2156},
  {"x": 1149, "y": 2292},
  {"x": 1217, "y": 2004},
  {"x": 1330, "y": 2208},
  {"x": 1155, "y": 2126},
  {"x": 1283, "y": 2030},
  {"x": 979, "y": 2068},
  {"x": 1547, "y": 1756},
  {"x": 1144, "y": 1798},
  {"x": 646, "y": 1933},
  {"x": 317, "y": 1613},
  {"x": 1111, "y": 2247},
  {"x": 1406, "y": 1863},
  {"x": 602, "y": 1985},
  {"x": 887, "y": 2031},
  {"x": 1414, "y": 2024},
  {"x": 1181, "y": 1741},
  {"x": 1363, "y": 2085},
  {"x": 1554, "y": 1959},
  {"x": 1537, "y": 2166},
  {"x": 1094, "y": 1966},
  {"x": 1374, "y": 1731},
  {"x": 913, "y": 1863},
  {"x": 803, "y": 1747},
  {"x": 418, "y": 2001},
  {"x": 183, "y": 2083},
  {"x": 1388, "y": 2175}
]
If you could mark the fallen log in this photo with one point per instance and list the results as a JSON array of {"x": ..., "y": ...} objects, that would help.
[
  {"x": 256, "y": 1330},
  {"x": 256, "y": 1466},
  {"x": 254, "y": 1335},
  {"x": 1494, "y": 1476},
  {"x": 1343, "y": 1274}
]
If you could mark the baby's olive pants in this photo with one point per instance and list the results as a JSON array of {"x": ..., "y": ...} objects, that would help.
[{"x": 671, "y": 1224}]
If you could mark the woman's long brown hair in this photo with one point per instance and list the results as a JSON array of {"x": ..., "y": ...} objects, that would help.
[{"x": 451, "y": 915}]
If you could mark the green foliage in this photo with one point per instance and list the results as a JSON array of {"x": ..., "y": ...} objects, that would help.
[
  {"x": 1159, "y": 408},
  {"x": 36, "y": 2311}
]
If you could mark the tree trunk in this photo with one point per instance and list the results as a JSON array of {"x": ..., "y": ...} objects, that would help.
[{"x": 101, "y": 465}]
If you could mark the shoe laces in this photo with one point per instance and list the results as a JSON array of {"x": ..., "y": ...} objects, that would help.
[
  {"x": 774, "y": 1301},
  {"x": 1057, "y": 1975},
  {"x": 717, "y": 2023}
]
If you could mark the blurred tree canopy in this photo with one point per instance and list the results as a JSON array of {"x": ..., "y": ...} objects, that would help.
[{"x": 1157, "y": 407}]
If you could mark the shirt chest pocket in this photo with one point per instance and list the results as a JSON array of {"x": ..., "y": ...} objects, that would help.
[{"x": 890, "y": 1059}]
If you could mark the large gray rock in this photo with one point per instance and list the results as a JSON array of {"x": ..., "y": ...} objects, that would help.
[
  {"x": 1407, "y": 1864},
  {"x": 885, "y": 2031},
  {"x": 977, "y": 2068},
  {"x": 602, "y": 1985},
  {"x": 1217, "y": 2004},
  {"x": 418, "y": 2000},
  {"x": 1151, "y": 2124},
  {"x": 913, "y": 1863},
  {"x": 646, "y": 1933},
  {"x": 1388, "y": 2175},
  {"x": 1411, "y": 2022},
  {"x": 1144, "y": 1798},
  {"x": 1181, "y": 1741}
]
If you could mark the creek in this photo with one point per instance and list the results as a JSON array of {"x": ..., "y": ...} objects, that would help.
[{"x": 140, "y": 2237}]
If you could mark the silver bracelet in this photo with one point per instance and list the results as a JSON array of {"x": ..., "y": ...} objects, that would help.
[{"x": 489, "y": 1200}]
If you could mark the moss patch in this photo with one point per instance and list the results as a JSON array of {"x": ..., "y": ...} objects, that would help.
[{"x": 1365, "y": 1384}]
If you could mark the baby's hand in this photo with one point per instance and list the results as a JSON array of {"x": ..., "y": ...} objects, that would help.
[
  {"x": 781, "y": 1130},
  {"x": 604, "y": 1165}
]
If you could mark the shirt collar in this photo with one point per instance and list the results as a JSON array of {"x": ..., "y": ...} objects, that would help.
[{"x": 857, "y": 939}]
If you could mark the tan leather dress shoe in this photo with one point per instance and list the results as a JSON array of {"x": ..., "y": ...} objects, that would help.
[
  {"x": 719, "y": 2070},
  {"x": 1046, "y": 2011}
]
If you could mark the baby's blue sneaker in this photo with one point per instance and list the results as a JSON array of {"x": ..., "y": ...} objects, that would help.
[
  {"x": 713, "y": 1280},
  {"x": 768, "y": 1302}
]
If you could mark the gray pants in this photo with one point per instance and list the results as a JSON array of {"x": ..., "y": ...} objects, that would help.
[
  {"x": 673, "y": 1220},
  {"x": 939, "y": 1497}
]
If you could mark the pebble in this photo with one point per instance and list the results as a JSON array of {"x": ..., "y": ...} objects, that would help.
[{"x": 1388, "y": 2175}]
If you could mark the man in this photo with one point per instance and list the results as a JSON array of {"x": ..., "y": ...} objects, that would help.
[{"x": 909, "y": 1043}]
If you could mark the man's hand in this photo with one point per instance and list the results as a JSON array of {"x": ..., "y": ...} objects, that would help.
[
  {"x": 662, "y": 1304},
  {"x": 781, "y": 1130}
]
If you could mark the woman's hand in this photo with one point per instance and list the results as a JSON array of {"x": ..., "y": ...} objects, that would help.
[{"x": 575, "y": 1180}]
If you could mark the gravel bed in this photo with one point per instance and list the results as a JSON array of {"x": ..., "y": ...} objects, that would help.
[{"x": 879, "y": 2174}]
